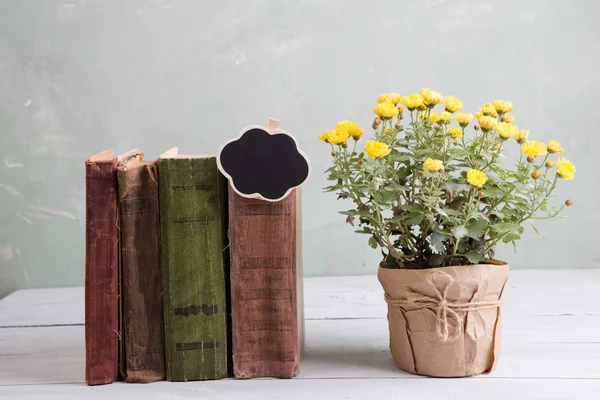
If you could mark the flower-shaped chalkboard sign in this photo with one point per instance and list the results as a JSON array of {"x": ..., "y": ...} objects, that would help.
[{"x": 263, "y": 163}]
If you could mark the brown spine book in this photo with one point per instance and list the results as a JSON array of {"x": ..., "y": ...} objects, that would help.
[
  {"x": 141, "y": 276},
  {"x": 101, "y": 269},
  {"x": 266, "y": 286}
]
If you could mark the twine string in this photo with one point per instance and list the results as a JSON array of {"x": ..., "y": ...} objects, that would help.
[{"x": 445, "y": 310}]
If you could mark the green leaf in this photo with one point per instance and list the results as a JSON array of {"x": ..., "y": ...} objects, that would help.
[
  {"x": 474, "y": 257},
  {"x": 413, "y": 218},
  {"x": 349, "y": 212},
  {"x": 459, "y": 231},
  {"x": 373, "y": 242},
  {"x": 437, "y": 241},
  {"x": 511, "y": 237},
  {"x": 476, "y": 227},
  {"x": 436, "y": 259},
  {"x": 503, "y": 227}
]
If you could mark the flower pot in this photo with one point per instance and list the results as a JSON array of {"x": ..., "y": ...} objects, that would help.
[{"x": 445, "y": 322}]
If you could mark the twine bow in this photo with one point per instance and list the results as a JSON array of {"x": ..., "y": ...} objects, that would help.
[{"x": 444, "y": 309}]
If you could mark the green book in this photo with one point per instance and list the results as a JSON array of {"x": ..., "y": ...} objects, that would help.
[{"x": 193, "y": 221}]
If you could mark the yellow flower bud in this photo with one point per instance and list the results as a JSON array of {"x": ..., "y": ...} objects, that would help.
[
  {"x": 554, "y": 147},
  {"x": 412, "y": 101},
  {"x": 393, "y": 98},
  {"x": 431, "y": 97},
  {"x": 452, "y": 104},
  {"x": 521, "y": 136},
  {"x": 420, "y": 174},
  {"x": 482, "y": 194},
  {"x": 476, "y": 178},
  {"x": 507, "y": 118},
  {"x": 386, "y": 110},
  {"x": 398, "y": 125},
  {"x": 325, "y": 136},
  {"x": 351, "y": 127},
  {"x": 569, "y": 203},
  {"x": 345, "y": 145},
  {"x": 506, "y": 130},
  {"x": 377, "y": 149},
  {"x": 550, "y": 163},
  {"x": 360, "y": 162},
  {"x": 487, "y": 123},
  {"x": 536, "y": 174},
  {"x": 388, "y": 131},
  {"x": 432, "y": 165},
  {"x": 488, "y": 109},
  {"x": 333, "y": 154},
  {"x": 463, "y": 119},
  {"x": 502, "y": 106},
  {"x": 455, "y": 132},
  {"x": 530, "y": 159},
  {"x": 565, "y": 169},
  {"x": 338, "y": 136},
  {"x": 534, "y": 148}
]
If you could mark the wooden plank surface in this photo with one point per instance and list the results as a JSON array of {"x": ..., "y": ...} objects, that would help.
[
  {"x": 529, "y": 292},
  {"x": 550, "y": 347},
  {"x": 300, "y": 389}
]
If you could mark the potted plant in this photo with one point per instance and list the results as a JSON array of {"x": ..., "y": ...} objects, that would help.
[{"x": 437, "y": 196}]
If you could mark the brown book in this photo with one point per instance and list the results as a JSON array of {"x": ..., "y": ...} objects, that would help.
[
  {"x": 101, "y": 269},
  {"x": 141, "y": 276},
  {"x": 266, "y": 286}
]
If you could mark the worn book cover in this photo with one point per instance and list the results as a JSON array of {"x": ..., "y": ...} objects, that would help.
[
  {"x": 141, "y": 276},
  {"x": 101, "y": 269},
  {"x": 266, "y": 286},
  {"x": 194, "y": 259}
]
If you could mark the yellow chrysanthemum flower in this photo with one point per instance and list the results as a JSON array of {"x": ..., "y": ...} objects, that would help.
[
  {"x": 487, "y": 123},
  {"x": 325, "y": 136},
  {"x": 463, "y": 119},
  {"x": 444, "y": 117},
  {"x": 476, "y": 178},
  {"x": 554, "y": 147},
  {"x": 431, "y": 97},
  {"x": 565, "y": 169},
  {"x": 506, "y": 130},
  {"x": 488, "y": 109},
  {"x": 386, "y": 110},
  {"x": 452, "y": 104},
  {"x": 338, "y": 136},
  {"x": 351, "y": 127},
  {"x": 534, "y": 148},
  {"x": 377, "y": 149},
  {"x": 412, "y": 101},
  {"x": 456, "y": 132},
  {"x": 521, "y": 136},
  {"x": 393, "y": 98},
  {"x": 508, "y": 118},
  {"x": 433, "y": 165},
  {"x": 502, "y": 106}
]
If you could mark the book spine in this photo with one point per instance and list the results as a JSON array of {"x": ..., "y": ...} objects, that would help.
[
  {"x": 264, "y": 287},
  {"x": 195, "y": 266},
  {"x": 143, "y": 327},
  {"x": 101, "y": 273}
]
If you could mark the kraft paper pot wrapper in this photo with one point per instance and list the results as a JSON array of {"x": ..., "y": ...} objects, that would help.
[{"x": 445, "y": 322}]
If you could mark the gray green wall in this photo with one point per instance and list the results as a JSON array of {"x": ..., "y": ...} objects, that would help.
[{"x": 78, "y": 76}]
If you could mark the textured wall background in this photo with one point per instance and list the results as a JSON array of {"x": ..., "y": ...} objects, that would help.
[{"x": 78, "y": 76}]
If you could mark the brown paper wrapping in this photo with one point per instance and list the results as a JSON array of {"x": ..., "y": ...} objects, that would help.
[{"x": 445, "y": 321}]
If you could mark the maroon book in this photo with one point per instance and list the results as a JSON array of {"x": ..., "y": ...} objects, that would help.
[
  {"x": 101, "y": 269},
  {"x": 266, "y": 295},
  {"x": 141, "y": 276}
]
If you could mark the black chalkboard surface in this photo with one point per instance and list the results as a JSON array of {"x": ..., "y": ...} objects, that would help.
[{"x": 262, "y": 163}]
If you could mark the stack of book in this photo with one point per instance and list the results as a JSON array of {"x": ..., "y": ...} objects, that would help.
[{"x": 186, "y": 279}]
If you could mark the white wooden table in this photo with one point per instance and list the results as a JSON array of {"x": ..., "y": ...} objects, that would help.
[{"x": 550, "y": 350}]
